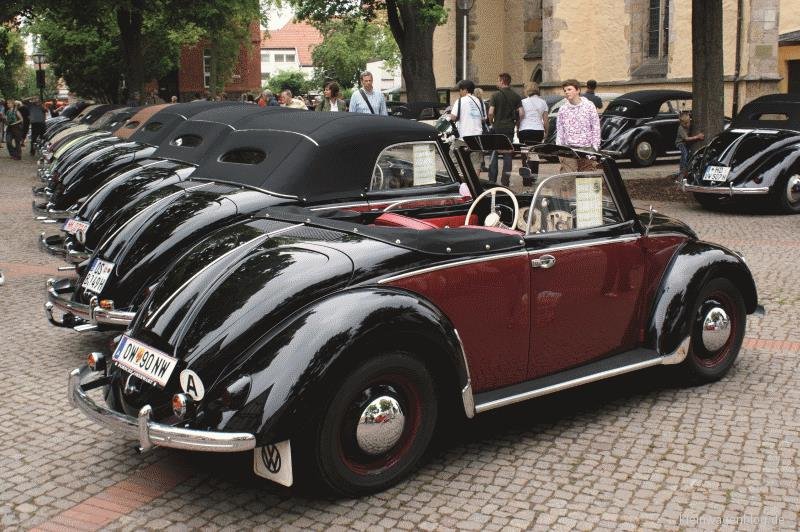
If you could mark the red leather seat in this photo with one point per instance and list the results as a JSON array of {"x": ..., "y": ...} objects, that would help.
[{"x": 391, "y": 219}]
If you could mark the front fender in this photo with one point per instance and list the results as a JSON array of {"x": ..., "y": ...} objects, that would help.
[
  {"x": 693, "y": 265},
  {"x": 292, "y": 370}
]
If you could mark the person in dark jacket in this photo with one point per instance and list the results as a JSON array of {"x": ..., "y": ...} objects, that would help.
[
  {"x": 589, "y": 94},
  {"x": 331, "y": 100},
  {"x": 26, "y": 121},
  {"x": 37, "y": 118}
]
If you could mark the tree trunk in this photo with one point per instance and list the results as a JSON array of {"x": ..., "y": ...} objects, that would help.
[
  {"x": 415, "y": 41},
  {"x": 129, "y": 20},
  {"x": 708, "y": 96}
]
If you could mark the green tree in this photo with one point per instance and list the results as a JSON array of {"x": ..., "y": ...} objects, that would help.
[
  {"x": 28, "y": 85},
  {"x": 12, "y": 59},
  {"x": 412, "y": 23},
  {"x": 294, "y": 80},
  {"x": 347, "y": 47}
]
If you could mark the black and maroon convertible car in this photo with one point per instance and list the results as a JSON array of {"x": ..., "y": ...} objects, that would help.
[
  {"x": 330, "y": 344},
  {"x": 757, "y": 157}
]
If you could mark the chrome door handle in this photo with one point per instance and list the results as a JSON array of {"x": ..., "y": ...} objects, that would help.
[{"x": 545, "y": 262}]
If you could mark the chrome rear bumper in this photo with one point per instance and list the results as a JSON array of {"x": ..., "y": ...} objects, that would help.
[
  {"x": 54, "y": 245},
  {"x": 150, "y": 433},
  {"x": 41, "y": 209},
  {"x": 60, "y": 298},
  {"x": 720, "y": 191}
]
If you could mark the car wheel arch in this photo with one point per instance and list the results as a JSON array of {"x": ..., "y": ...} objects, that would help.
[
  {"x": 693, "y": 266},
  {"x": 404, "y": 320}
]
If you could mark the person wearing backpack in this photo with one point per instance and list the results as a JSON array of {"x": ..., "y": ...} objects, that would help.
[
  {"x": 469, "y": 115},
  {"x": 505, "y": 110}
]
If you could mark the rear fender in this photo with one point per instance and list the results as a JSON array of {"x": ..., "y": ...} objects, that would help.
[
  {"x": 293, "y": 369},
  {"x": 693, "y": 265}
]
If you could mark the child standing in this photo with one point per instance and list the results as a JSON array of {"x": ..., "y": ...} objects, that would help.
[{"x": 683, "y": 141}]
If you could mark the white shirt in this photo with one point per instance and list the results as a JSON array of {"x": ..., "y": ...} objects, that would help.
[
  {"x": 469, "y": 115},
  {"x": 535, "y": 108}
]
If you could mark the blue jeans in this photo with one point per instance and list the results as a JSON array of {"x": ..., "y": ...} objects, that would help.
[
  {"x": 505, "y": 180},
  {"x": 684, "y": 164}
]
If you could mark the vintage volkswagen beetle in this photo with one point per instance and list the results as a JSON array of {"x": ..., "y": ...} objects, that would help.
[
  {"x": 85, "y": 175},
  {"x": 131, "y": 189},
  {"x": 322, "y": 160},
  {"x": 642, "y": 125},
  {"x": 331, "y": 345},
  {"x": 109, "y": 122},
  {"x": 758, "y": 156}
]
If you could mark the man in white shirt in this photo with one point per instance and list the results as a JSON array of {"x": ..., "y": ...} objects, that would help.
[
  {"x": 366, "y": 100},
  {"x": 469, "y": 114}
]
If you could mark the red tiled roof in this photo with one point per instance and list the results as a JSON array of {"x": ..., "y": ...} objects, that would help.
[{"x": 298, "y": 35}]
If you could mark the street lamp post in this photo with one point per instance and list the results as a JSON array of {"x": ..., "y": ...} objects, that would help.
[
  {"x": 39, "y": 60},
  {"x": 464, "y": 6}
]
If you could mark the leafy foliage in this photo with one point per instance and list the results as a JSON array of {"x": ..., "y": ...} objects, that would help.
[
  {"x": 347, "y": 47},
  {"x": 294, "y": 80},
  {"x": 12, "y": 58}
]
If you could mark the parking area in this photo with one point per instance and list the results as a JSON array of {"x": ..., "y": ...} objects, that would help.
[{"x": 636, "y": 452}]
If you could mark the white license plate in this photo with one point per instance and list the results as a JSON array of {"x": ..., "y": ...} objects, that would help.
[
  {"x": 716, "y": 173},
  {"x": 97, "y": 276},
  {"x": 151, "y": 365},
  {"x": 72, "y": 226}
]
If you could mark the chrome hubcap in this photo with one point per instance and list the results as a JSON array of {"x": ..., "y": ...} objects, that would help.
[
  {"x": 380, "y": 426},
  {"x": 644, "y": 150},
  {"x": 716, "y": 329},
  {"x": 793, "y": 188}
]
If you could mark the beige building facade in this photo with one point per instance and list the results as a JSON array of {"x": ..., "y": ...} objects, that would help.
[
  {"x": 789, "y": 47},
  {"x": 623, "y": 44}
]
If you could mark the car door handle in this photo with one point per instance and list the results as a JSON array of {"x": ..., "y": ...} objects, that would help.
[{"x": 545, "y": 262}]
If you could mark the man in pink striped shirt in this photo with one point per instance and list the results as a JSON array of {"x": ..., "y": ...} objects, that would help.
[{"x": 577, "y": 126}]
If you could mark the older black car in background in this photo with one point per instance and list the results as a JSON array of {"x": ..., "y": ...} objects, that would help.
[
  {"x": 271, "y": 157},
  {"x": 642, "y": 125},
  {"x": 758, "y": 156}
]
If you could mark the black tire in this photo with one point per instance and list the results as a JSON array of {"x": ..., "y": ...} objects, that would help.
[
  {"x": 340, "y": 463},
  {"x": 643, "y": 152},
  {"x": 787, "y": 193},
  {"x": 706, "y": 363}
]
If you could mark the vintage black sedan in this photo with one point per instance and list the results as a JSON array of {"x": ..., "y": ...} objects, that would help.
[
  {"x": 321, "y": 160},
  {"x": 642, "y": 125},
  {"x": 332, "y": 344},
  {"x": 757, "y": 157}
]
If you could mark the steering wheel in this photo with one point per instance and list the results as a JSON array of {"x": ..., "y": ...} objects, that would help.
[{"x": 493, "y": 219}]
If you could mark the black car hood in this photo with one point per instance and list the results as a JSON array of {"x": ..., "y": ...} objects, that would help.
[{"x": 746, "y": 152}]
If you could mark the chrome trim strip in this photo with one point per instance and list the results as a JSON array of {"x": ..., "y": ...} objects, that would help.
[
  {"x": 386, "y": 200},
  {"x": 314, "y": 142},
  {"x": 252, "y": 243},
  {"x": 680, "y": 353},
  {"x": 483, "y": 407},
  {"x": 467, "y": 398},
  {"x": 150, "y": 433},
  {"x": 453, "y": 265},
  {"x": 590, "y": 243},
  {"x": 726, "y": 191}
]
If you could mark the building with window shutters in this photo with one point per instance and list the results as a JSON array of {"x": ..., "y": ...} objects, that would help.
[{"x": 625, "y": 45}]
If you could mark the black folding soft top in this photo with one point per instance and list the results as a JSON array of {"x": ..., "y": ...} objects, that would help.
[
  {"x": 643, "y": 104},
  {"x": 99, "y": 110},
  {"x": 774, "y": 111},
  {"x": 314, "y": 156},
  {"x": 162, "y": 123}
]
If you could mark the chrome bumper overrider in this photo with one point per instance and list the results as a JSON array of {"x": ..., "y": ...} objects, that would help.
[
  {"x": 91, "y": 313},
  {"x": 41, "y": 209},
  {"x": 54, "y": 245},
  {"x": 149, "y": 433},
  {"x": 720, "y": 191}
]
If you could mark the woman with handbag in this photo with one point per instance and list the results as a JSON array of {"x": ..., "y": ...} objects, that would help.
[
  {"x": 533, "y": 126},
  {"x": 13, "y": 130},
  {"x": 469, "y": 116}
]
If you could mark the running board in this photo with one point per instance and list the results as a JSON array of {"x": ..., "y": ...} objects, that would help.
[{"x": 595, "y": 371}]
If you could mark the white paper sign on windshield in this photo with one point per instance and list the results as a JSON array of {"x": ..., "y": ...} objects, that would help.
[
  {"x": 588, "y": 202},
  {"x": 424, "y": 164}
]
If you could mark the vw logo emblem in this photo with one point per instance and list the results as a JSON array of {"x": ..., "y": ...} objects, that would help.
[{"x": 271, "y": 458}]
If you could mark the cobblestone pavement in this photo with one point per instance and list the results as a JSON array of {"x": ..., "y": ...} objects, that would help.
[{"x": 638, "y": 452}]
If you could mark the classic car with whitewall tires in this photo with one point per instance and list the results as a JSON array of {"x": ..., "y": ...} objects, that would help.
[
  {"x": 271, "y": 156},
  {"x": 331, "y": 345},
  {"x": 642, "y": 125},
  {"x": 69, "y": 186},
  {"x": 139, "y": 184},
  {"x": 756, "y": 158}
]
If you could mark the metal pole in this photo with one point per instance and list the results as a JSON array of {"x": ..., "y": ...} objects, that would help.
[{"x": 464, "y": 48}]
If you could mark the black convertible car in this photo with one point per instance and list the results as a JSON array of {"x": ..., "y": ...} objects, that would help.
[
  {"x": 270, "y": 157},
  {"x": 332, "y": 343},
  {"x": 642, "y": 125},
  {"x": 758, "y": 156}
]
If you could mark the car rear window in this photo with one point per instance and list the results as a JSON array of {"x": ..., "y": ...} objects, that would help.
[
  {"x": 187, "y": 141},
  {"x": 153, "y": 126},
  {"x": 244, "y": 156},
  {"x": 132, "y": 125}
]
